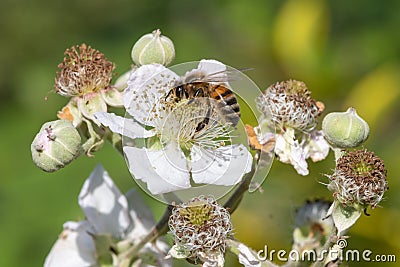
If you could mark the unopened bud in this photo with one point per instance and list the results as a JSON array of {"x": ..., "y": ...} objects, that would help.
[
  {"x": 56, "y": 145},
  {"x": 345, "y": 129},
  {"x": 153, "y": 48}
]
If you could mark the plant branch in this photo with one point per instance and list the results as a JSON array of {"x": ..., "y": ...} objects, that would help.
[
  {"x": 161, "y": 228},
  {"x": 234, "y": 200}
]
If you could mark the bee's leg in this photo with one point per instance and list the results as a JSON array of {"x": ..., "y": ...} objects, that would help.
[
  {"x": 206, "y": 120},
  {"x": 202, "y": 124},
  {"x": 169, "y": 93}
]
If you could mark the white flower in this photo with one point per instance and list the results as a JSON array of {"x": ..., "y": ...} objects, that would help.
[
  {"x": 174, "y": 151},
  {"x": 111, "y": 218},
  {"x": 74, "y": 247}
]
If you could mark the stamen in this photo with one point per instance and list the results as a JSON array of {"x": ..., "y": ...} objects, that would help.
[{"x": 84, "y": 70}]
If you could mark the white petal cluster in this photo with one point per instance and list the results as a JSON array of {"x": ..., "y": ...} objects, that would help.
[
  {"x": 292, "y": 151},
  {"x": 175, "y": 152},
  {"x": 111, "y": 215}
]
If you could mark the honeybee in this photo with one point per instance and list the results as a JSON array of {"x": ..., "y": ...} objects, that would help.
[
  {"x": 226, "y": 103},
  {"x": 198, "y": 85}
]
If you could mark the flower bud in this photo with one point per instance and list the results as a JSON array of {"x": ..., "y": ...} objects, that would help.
[
  {"x": 153, "y": 48},
  {"x": 345, "y": 129},
  {"x": 56, "y": 145}
]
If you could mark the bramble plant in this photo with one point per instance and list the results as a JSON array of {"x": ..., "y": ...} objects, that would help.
[{"x": 187, "y": 144}]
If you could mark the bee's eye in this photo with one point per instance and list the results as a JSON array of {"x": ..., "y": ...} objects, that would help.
[{"x": 179, "y": 91}]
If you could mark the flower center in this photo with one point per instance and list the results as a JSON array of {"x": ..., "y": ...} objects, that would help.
[
  {"x": 363, "y": 168},
  {"x": 192, "y": 123},
  {"x": 197, "y": 213}
]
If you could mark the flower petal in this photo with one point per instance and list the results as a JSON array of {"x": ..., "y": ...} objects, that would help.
[
  {"x": 90, "y": 104},
  {"x": 222, "y": 166},
  {"x": 154, "y": 254},
  {"x": 317, "y": 148},
  {"x": 121, "y": 82},
  {"x": 104, "y": 205},
  {"x": 247, "y": 258},
  {"x": 146, "y": 87},
  {"x": 162, "y": 170},
  {"x": 123, "y": 126},
  {"x": 215, "y": 259},
  {"x": 141, "y": 215},
  {"x": 211, "y": 66},
  {"x": 74, "y": 247},
  {"x": 71, "y": 112},
  {"x": 112, "y": 97},
  {"x": 208, "y": 70},
  {"x": 289, "y": 151}
]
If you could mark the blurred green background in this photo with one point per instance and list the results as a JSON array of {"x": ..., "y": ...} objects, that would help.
[{"x": 348, "y": 53}]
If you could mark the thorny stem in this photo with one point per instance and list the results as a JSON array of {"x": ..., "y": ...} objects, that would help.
[
  {"x": 328, "y": 243},
  {"x": 161, "y": 228}
]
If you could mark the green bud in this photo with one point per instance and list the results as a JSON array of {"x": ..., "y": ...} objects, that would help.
[
  {"x": 56, "y": 145},
  {"x": 153, "y": 48},
  {"x": 345, "y": 129}
]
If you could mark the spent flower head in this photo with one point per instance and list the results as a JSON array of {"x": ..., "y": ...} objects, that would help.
[
  {"x": 359, "y": 178},
  {"x": 84, "y": 70},
  {"x": 85, "y": 76},
  {"x": 200, "y": 227},
  {"x": 294, "y": 113},
  {"x": 290, "y": 105}
]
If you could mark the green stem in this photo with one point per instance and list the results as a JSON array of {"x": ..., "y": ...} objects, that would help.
[
  {"x": 234, "y": 200},
  {"x": 328, "y": 243},
  {"x": 161, "y": 228}
]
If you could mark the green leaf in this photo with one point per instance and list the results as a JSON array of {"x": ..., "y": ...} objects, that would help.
[
  {"x": 178, "y": 252},
  {"x": 344, "y": 217}
]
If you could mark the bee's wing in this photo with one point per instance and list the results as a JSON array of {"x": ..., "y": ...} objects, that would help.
[
  {"x": 224, "y": 112},
  {"x": 223, "y": 76},
  {"x": 218, "y": 111}
]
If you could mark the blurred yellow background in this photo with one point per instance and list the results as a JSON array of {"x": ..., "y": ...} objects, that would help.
[{"x": 348, "y": 53}]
